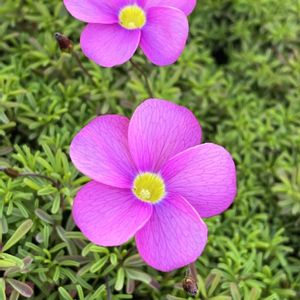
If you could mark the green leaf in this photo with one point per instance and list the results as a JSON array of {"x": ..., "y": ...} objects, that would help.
[
  {"x": 1, "y": 228},
  {"x": 201, "y": 286},
  {"x": 221, "y": 298},
  {"x": 6, "y": 264},
  {"x": 138, "y": 275},
  {"x": 113, "y": 259},
  {"x": 120, "y": 279},
  {"x": 56, "y": 274},
  {"x": 63, "y": 292},
  {"x": 171, "y": 297},
  {"x": 98, "y": 293},
  {"x": 254, "y": 294},
  {"x": 93, "y": 248},
  {"x": 74, "y": 235},
  {"x": 2, "y": 289},
  {"x": 32, "y": 184},
  {"x": 235, "y": 291},
  {"x": 134, "y": 261},
  {"x": 18, "y": 234},
  {"x": 27, "y": 261},
  {"x": 12, "y": 270},
  {"x": 12, "y": 258},
  {"x": 98, "y": 265},
  {"x": 55, "y": 204},
  {"x": 130, "y": 286},
  {"x": 14, "y": 295},
  {"x": 21, "y": 287},
  {"x": 80, "y": 292},
  {"x": 47, "y": 190},
  {"x": 44, "y": 216},
  {"x": 214, "y": 283}
]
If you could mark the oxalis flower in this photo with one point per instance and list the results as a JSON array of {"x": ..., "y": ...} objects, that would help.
[
  {"x": 117, "y": 27},
  {"x": 153, "y": 180}
]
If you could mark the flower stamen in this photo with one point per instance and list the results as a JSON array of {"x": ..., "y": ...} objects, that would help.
[
  {"x": 132, "y": 17},
  {"x": 149, "y": 187}
]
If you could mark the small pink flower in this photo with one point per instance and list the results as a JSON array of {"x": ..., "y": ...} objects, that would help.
[
  {"x": 151, "y": 180},
  {"x": 117, "y": 27}
]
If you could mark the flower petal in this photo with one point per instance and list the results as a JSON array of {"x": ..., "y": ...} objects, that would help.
[
  {"x": 98, "y": 11},
  {"x": 158, "y": 130},
  {"x": 92, "y": 11},
  {"x": 100, "y": 151},
  {"x": 205, "y": 175},
  {"x": 109, "y": 216},
  {"x": 109, "y": 45},
  {"x": 165, "y": 35},
  {"x": 186, "y": 6},
  {"x": 174, "y": 236}
]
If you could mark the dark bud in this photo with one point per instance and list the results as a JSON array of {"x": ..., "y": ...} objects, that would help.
[
  {"x": 65, "y": 44},
  {"x": 12, "y": 173},
  {"x": 190, "y": 286}
]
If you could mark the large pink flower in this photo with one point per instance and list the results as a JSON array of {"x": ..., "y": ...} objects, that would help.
[
  {"x": 117, "y": 27},
  {"x": 153, "y": 180}
]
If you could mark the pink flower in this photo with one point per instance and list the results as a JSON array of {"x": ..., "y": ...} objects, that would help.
[
  {"x": 117, "y": 27},
  {"x": 153, "y": 180}
]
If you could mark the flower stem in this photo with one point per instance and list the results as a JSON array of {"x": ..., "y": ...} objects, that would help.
[
  {"x": 144, "y": 75},
  {"x": 81, "y": 66},
  {"x": 193, "y": 271},
  {"x": 66, "y": 45},
  {"x": 55, "y": 183},
  {"x": 108, "y": 292}
]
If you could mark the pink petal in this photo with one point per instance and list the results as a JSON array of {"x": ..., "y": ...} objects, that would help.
[
  {"x": 109, "y": 45},
  {"x": 165, "y": 35},
  {"x": 98, "y": 11},
  {"x": 100, "y": 151},
  {"x": 158, "y": 130},
  {"x": 92, "y": 11},
  {"x": 174, "y": 236},
  {"x": 109, "y": 216},
  {"x": 186, "y": 6},
  {"x": 205, "y": 175}
]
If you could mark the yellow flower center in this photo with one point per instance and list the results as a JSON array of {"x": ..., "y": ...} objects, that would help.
[
  {"x": 132, "y": 17},
  {"x": 149, "y": 187}
]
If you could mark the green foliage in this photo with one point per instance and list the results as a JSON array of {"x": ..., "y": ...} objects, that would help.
[
  {"x": 288, "y": 189},
  {"x": 239, "y": 74}
]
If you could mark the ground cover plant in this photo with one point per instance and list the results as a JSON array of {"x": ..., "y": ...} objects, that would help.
[{"x": 240, "y": 76}]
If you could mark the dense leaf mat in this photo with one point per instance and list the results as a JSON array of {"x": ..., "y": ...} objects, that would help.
[{"x": 240, "y": 75}]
